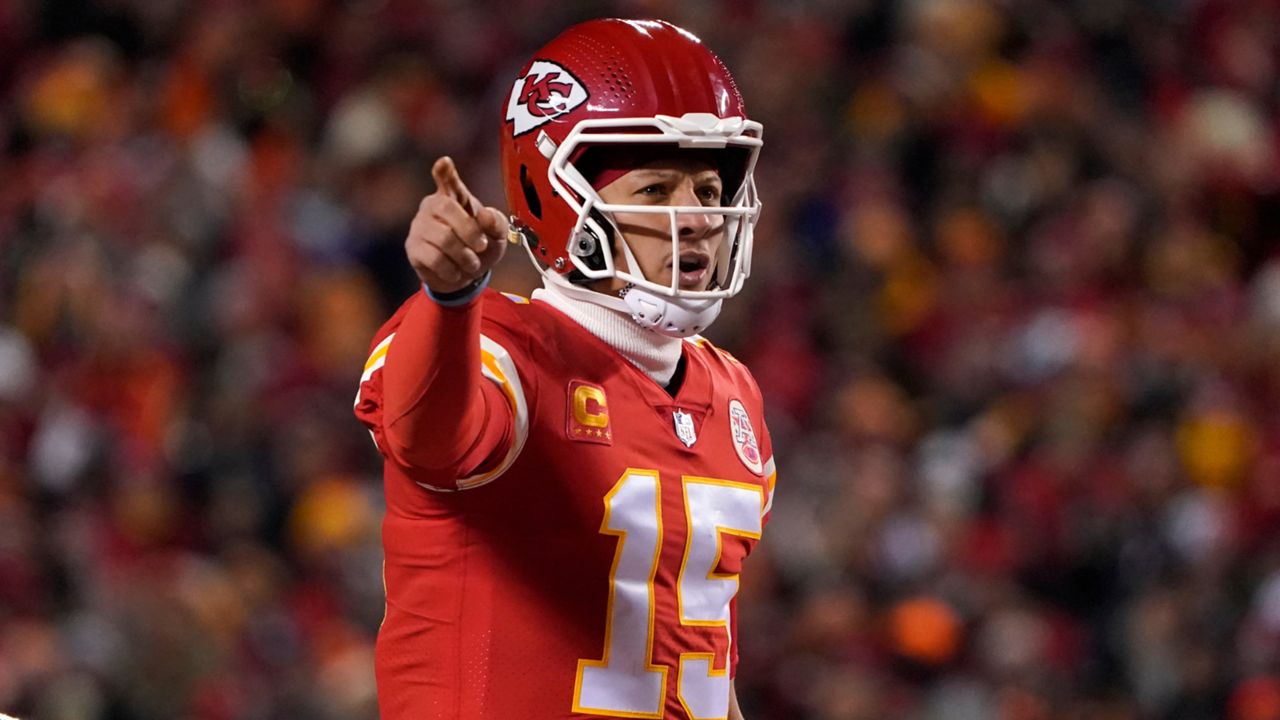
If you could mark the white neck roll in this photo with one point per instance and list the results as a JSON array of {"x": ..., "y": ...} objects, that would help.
[{"x": 654, "y": 353}]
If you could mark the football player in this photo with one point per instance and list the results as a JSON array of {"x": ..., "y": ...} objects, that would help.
[{"x": 573, "y": 481}]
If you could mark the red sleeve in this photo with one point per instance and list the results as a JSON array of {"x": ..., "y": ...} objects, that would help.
[{"x": 427, "y": 400}]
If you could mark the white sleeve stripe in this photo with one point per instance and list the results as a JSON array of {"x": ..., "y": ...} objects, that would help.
[
  {"x": 385, "y": 342},
  {"x": 770, "y": 474},
  {"x": 501, "y": 370},
  {"x": 377, "y": 358}
]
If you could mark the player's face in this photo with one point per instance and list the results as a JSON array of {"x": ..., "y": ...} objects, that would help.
[{"x": 669, "y": 182}]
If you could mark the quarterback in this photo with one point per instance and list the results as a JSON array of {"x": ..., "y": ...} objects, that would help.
[{"x": 574, "y": 480}]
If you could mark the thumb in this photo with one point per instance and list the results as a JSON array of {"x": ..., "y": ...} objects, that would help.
[
  {"x": 494, "y": 225},
  {"x": 449, "y": 182}
]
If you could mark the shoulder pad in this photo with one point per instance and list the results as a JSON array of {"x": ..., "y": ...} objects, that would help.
[{"x": 705, "y": 344}]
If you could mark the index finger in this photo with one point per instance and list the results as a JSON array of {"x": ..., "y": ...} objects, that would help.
[{"x": 448, "y": 181}]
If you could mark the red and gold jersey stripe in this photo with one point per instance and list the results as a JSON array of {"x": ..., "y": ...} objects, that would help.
[
  {"x": 500, "y": 369},
  {"x": 770, "y": 478}
]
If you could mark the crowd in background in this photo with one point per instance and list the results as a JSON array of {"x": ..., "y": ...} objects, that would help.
[{"x": 1015, "y": 311}]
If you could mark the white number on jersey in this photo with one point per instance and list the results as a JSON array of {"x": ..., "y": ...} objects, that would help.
[{"x": 625, "y": 682}]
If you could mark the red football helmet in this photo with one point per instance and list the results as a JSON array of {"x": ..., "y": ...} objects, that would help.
[{"x": 605, "y": 83}]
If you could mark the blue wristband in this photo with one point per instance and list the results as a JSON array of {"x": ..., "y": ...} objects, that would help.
[{"x": 460, "y": 297}]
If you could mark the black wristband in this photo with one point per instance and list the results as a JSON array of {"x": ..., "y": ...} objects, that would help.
[{"x": 461, "y": 296}]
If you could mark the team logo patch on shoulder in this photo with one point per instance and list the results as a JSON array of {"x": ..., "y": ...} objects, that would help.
[
  {"x": 543, "y": 94},
  {"x": 744, "y": 437},
  {"x": 588, "y": 414}
]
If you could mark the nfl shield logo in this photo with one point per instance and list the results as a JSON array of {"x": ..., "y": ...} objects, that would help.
[{"x": 684, "y": 428}]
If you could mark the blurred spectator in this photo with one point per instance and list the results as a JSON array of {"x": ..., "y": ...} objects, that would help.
[{"x": 1016, "y": 307}]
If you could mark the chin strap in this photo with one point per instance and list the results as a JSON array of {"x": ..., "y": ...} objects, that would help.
[{"x": 673, "y": 317}]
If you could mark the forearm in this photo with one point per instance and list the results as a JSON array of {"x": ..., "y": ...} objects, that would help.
[{"x": 439, "y": 414}]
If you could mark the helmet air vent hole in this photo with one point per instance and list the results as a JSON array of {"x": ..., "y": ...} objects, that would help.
[{"x": 530, "y": 192}]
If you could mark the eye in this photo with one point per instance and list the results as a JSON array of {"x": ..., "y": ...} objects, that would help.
[
  {"x": 709, "y": 194},
  {"x": 654, "y": 190}
]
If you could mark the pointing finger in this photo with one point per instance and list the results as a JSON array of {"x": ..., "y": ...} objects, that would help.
[{"x": 448, "y": 181}]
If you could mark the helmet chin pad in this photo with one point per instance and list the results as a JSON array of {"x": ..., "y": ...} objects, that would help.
[{"x": 671, "y": 316}]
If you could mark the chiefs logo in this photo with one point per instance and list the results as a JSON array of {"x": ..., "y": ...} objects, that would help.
[
  {"x": 744, "y": 437},
  {"x": 545, "y": 92}
]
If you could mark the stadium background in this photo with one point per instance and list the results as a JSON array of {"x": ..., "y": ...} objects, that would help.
[{"x": 1016, "y": 311}]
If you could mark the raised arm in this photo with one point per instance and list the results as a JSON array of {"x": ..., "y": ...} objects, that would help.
[{"x": 439, "y": 413}]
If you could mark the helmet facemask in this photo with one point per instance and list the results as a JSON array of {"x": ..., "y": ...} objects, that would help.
[{"x": 735, "y": 142}]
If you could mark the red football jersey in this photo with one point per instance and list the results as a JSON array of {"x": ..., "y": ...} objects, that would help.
[{"x": 577, "y": 556}]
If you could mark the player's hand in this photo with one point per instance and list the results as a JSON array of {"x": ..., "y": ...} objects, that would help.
[{"x": 454, "y": 239}]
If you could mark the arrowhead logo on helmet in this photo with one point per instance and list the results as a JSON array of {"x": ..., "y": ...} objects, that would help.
[{"x": 542, "y": 94}]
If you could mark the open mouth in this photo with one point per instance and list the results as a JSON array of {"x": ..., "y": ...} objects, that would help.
[{"x": 694, "y": 267}]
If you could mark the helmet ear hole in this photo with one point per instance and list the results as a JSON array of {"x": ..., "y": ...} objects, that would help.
[
  {"x": 530, "y": 193},
  {"x": 594, "y": 258}
]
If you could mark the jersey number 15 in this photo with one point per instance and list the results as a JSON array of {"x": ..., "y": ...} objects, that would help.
[{"x": 625, "y": 682}]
